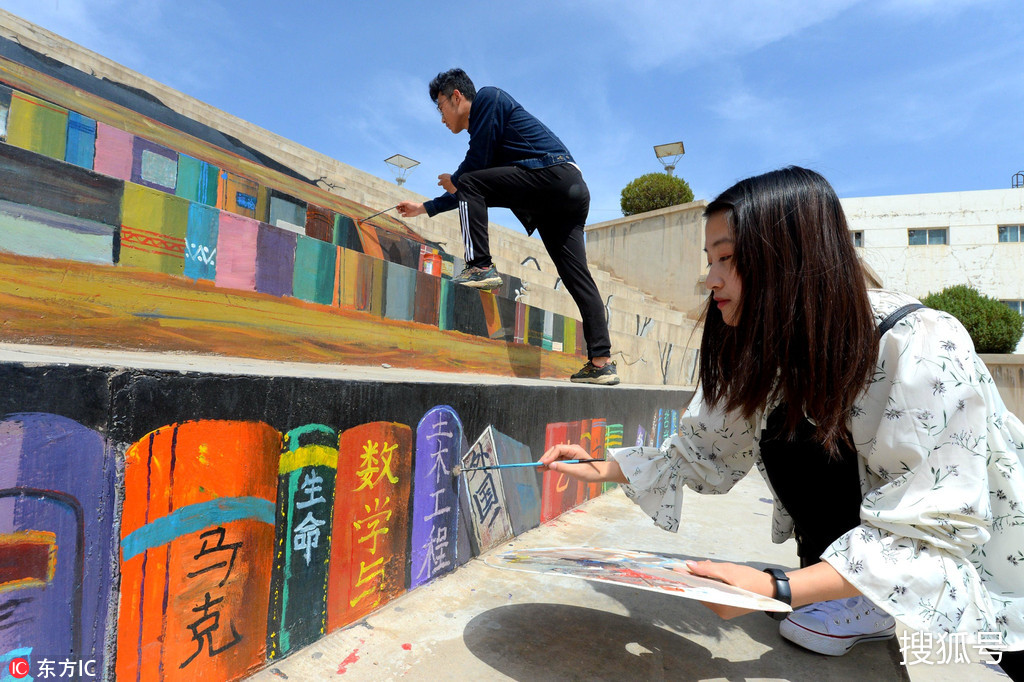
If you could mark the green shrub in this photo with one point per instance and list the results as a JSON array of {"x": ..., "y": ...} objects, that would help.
[
  {"x": 994, "y": 326},
  {"x": 653, "y": 191}
]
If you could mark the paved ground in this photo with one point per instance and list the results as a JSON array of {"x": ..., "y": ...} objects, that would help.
[{"x": 483, "y": 623}]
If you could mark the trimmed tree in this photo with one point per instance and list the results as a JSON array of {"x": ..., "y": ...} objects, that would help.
[
  {"x": 994, "y": 326},
  {"x": 653, "y": 191}
]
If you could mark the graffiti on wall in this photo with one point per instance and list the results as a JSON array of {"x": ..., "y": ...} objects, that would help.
[
  {"x": 439, "y": 440},
  {"x": 79, "y": 189},
  {"x": 197, "y": 535},
  {"x": 208, "y": 546},
  {"x": 57, "y": 521}
]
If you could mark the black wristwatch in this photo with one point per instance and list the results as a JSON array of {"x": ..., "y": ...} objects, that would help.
[{"x": 782, "y": 592}]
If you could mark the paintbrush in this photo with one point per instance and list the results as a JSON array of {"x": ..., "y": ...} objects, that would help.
[
  {"x": 456, "y": 470},
  {"x": 370, "y": 217}
]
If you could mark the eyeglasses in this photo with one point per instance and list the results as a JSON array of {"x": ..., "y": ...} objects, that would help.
[{"x": 441, "y": 102}]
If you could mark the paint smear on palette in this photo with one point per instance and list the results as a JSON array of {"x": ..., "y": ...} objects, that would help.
[
  {"x": 653, "y": 572},
  {"x": 407, "y": 646}
]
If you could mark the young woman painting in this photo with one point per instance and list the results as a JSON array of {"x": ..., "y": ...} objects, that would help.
[{"x": 892, "y": 459}]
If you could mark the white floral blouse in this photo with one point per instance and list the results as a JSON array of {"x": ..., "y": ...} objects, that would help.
[{"x": 941, "y": 461}]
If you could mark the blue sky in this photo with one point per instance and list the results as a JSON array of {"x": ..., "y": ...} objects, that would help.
[{"x": 880, "y": 96}]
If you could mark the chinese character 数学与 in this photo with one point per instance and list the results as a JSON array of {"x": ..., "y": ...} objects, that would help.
[
  {"x": 373, "y": 522},
  {"x": 375, "y": 464}
]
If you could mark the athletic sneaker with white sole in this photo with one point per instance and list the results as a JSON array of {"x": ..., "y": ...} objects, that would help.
[
  {"x": 479, "y": 278},
  {"x": 834, "y": 627},
  {"x": 592, "y": 374}
]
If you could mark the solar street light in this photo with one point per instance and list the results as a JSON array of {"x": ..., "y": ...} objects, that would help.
[
  {"x": 401, "y": 166},
  {"x": 669, "y": 154}
]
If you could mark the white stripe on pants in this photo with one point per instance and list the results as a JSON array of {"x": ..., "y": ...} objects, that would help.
[{"x": 464, "y": 221}]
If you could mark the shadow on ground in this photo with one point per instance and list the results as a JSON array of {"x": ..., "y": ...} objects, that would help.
[{"x": 663, "y": 638}]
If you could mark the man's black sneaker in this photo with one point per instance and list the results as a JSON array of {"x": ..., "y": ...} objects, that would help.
[
  {"x": 479, "y": 278},
  {"x": 590, "y": 374}
]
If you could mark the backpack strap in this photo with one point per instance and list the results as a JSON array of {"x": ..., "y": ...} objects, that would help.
[{"x": 897, "y": 315}]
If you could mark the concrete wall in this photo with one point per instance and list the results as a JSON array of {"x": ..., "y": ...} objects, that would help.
[
  {"x": 160, "y": 524},
  {"x": 659, "y": 252},
  {"x": 1008, "y": 373}
]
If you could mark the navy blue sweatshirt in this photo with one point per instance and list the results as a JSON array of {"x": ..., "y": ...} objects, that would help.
[{"x": 502, "y": 133}]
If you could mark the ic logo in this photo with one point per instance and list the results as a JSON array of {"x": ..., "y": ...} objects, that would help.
[{"x": 18, "y": 668}]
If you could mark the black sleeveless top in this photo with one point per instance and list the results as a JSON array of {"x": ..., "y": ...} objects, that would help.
[{"x": 821, "y": 492}]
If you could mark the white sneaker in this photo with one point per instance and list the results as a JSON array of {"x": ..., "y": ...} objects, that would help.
[{"x": 833, "y": 627}]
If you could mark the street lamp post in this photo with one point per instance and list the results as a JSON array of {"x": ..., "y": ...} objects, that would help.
[
  {"x": 401, "y": 166},
  {"x": 669, "y": 154}
]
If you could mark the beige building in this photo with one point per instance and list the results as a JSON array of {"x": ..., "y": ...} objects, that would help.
[
  {"x": 915, "y": 243},
  {"x": 922, "y": 243}
]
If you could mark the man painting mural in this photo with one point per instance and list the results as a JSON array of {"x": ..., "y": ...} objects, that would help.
[{"x": 514, "y": 161}]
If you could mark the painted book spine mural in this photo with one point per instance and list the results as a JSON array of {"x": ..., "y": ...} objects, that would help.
[
  {"x": 207, "y": 547},
  {"x": 302, "y": 546},
  {"x": 162, "y": 525}
]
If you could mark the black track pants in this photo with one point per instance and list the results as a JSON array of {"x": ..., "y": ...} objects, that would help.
[{"x": 554, "y": 201}]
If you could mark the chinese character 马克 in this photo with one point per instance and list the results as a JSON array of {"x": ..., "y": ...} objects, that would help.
[
  {"x": 377, "y": 516},
  {"x": 218, "y": 547},
  {"x": 306, "y": 535},
  {"x": 204, "y": 627},
  {"x": 375, "y": 464},
  {"x": 436, "y": 557},
  {"x": 311, "y": 485}
]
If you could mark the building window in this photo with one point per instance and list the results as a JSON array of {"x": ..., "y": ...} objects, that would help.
[
  {"x": 858, "y": 237},
  {"x": 930, "y": 236},
  {"x": 1011, "y": 233},
  {"x": 1016, "y": 305}
]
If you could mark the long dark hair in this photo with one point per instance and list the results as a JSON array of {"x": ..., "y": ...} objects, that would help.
[{"x": 806, "y": 334}]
